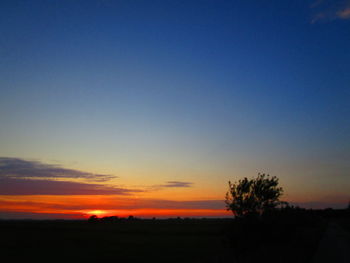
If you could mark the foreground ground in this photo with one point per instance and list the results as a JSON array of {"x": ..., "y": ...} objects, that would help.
[
  {"x": 192, "y": 240},
  {"x": 123, "y": 241},
  {"x": 335, "y": 243}
]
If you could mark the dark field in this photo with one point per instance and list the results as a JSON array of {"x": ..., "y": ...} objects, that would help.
[
  {"x": 123, "y": 241},
  {"x": 276, "y": 239}
]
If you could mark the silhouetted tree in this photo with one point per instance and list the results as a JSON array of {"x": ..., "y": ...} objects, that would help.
[
  {"x": 93, "y": 218},
  {"x": 253, "y": 196}
]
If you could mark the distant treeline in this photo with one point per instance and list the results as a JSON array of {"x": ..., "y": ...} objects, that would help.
[{"x": 287, "y": 212}]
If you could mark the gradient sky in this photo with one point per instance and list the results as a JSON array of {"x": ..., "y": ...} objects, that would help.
[{"x": 150, "y": 107}]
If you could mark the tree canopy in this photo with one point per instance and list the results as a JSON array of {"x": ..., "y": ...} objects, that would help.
[{"x": 253, "y": 196}]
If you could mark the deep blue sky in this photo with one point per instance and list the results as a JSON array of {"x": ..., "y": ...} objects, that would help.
[{"x": 198, "y": 90}]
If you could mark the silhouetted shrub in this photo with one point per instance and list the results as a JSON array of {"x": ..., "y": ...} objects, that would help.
[
  {"x": 252, "y": 197},
  {"x": 93, "y": 219}
]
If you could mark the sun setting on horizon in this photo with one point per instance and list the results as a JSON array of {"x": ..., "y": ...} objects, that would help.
[{"x": 96, "y": 212}]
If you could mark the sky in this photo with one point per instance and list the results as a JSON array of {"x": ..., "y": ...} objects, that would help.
[{"x": 149, "y": 108}]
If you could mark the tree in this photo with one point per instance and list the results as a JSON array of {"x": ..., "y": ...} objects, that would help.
[
  {"x": 253, "y": 196},
  {"x": 93, "y": 219}
]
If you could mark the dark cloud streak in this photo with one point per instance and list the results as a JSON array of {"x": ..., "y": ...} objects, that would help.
[
  {"x": 18, "y": 186},
  {"x": 19, "y": 168},
  {"x": 329, "y": 10},
  {"x": 174, "y": 184}
]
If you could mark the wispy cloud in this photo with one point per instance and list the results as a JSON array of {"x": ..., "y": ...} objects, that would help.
[
  {"x": 27, "y": 177},
  {"x": 171, "y": 184},
  {"x": 320, "y": 205},
  {"x": 23, "y": 177},
  {"x": 344, "y": 14},
  {"x": 19, "y": 168},
  {"x": 329, "y": 10},
  {"x": 176, "y": 184},
  {"x": 19, "y": 186}
]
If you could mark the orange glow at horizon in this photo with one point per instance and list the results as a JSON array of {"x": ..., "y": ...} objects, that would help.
[
  {"x": 96, "y": 212},
  {"x": 86, "y": 206}
]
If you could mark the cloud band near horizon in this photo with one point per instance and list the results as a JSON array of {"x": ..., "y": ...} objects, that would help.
[
  {"x": 23, "y": 177},
  {"x": 20, "y": 168}
]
